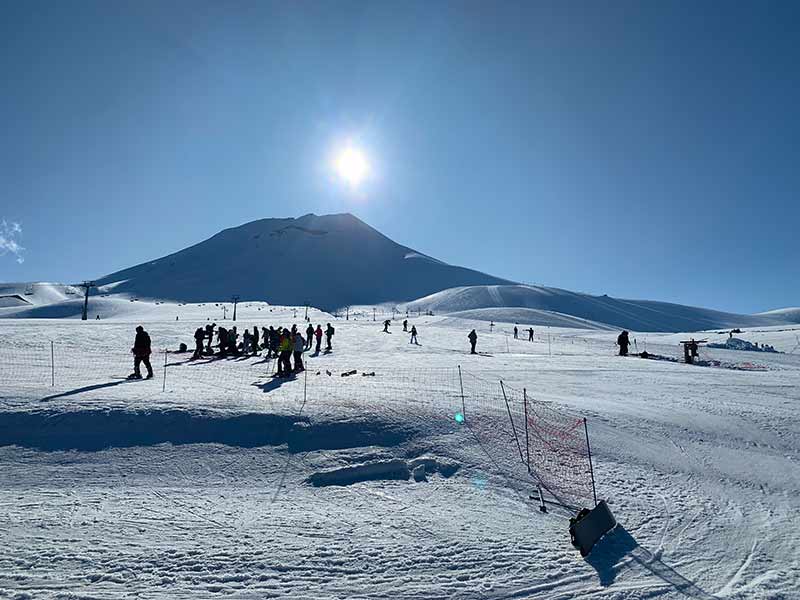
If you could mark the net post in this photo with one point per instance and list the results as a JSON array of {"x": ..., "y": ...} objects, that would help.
[
  {"x": 463, "y": 402},
  {"x": 591, "y": 468},
  {"x": 510, "y": 418},
  {"x": 527, "y": 438},
  {"x": 52, "y": 365},
  {"x": 164, "y": 384}
]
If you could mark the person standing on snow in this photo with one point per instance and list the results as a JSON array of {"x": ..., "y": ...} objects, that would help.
[
  {"x": 414, "y": 335},
  {"x": 530, "y": 334},
  {"x": 516, "y": 332},
  {"x": 254, "y": 340},
  {"x": 623, "y": 342},
  {"x": 199, "y": 336},
  {"x": 318, "y": 335},
  {"x": 405, "y": 325},
  {"x": 473, "y": 339},
  {"x": 386, "y": 326},
  {"x": 210, "y": 337},
  {"x": 141, "y": 354},
  {"x": 285, "y": 353},
  {"x": 309, "y": 336},
  {"x": 299, "y": 346},
  {"x": 329, "y": 331}
]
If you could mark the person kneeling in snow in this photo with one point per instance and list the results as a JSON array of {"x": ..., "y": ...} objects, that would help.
[{"x": 141, "y": 354}]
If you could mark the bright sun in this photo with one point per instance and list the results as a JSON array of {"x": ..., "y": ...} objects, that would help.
[{"x": 351, "y": 165}]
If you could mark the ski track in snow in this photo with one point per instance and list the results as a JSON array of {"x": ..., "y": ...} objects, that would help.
[{"x": 698, "y": 464}]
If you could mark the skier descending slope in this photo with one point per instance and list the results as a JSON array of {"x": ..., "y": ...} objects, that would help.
[{"x": 141, "y": 354}]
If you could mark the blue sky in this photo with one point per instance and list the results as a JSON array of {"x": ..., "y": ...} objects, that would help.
[{"x": 640, "y": 149}]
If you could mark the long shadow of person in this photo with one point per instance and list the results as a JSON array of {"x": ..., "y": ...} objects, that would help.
[
  {"x": 619, "y": 549},
  {"x": 273, "y": 384},
  {"x": 88, "y": 388}
]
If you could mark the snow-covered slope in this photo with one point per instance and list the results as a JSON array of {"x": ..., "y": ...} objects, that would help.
[
  {"x": 789, "y": 315},
  {"x": 526, "y": 317},
  {"x": 26, "y": 295},
  {"x": 637, "y": 315},
  {"x": 328, "y": 261}
]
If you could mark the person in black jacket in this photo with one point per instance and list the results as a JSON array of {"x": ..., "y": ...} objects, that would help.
[
  {"x": 329, "y": 331},
  {"x": 623, "y": 342},
  {"x": 141, "y": 354},
  {"x": 199, "y": 337},
  {"x": 309, "y": 336},
  {"x": 473, "y": 339}
]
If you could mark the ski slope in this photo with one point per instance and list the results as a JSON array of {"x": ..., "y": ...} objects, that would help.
[
  {"x": 118, "y": 489},
  {"x": 639, "y": 315}
]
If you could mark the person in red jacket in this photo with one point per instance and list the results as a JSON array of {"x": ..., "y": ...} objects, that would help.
[
  {"x": 141, "y": 354},
  {"x": 318, "y": 335}
]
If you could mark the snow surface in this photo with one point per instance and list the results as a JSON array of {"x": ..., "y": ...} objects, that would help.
[
  {"x": 641, "y": 315},
  {"x": 231, "y": 484}
]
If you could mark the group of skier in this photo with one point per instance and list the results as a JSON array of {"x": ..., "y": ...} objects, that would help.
[{"x": 413, "y": 330}]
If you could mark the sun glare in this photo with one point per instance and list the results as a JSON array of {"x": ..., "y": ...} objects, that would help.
[{"x": 351, "y": 165}]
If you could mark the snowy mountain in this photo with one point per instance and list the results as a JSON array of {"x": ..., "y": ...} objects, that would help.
[
  {"x": 637, "y": 315},
  {"x": 329, "y": 261},
  {"x": 789, "y": 315}
]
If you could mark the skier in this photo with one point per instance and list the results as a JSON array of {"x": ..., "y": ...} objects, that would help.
[
  {"x": 265, "y": 339},
  {"x": 141, "y": 354},
  {"x": 284, "y": 358},
  {"x": 254, "y": 340},
  {"x": 233, "y": 338},
  {"x": 414, "y": 335},
  {"x": 274, "y": 340},
  {"x": 222, "y": 338},
  {"x": 299, "y": 346},
  {"x": 473, "y": 339},
  {"x": 623, "y": 342},
  {"x": 210, "y": 337},
  {"x": 329, "y": 331},
  {"x": 516, "y": 332},
  {"x": 530, "y": 334},
  {"x": 246, "y": 341},
  {"x": 199, "y": 336},
  {"x": 318, "y": 335},
  {"x": 386, "y": 326},
  {"x": 405, "y": 325},
  {"x": 309, "y": 336}
]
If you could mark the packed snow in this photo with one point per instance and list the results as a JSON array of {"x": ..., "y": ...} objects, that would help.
[{"x": 230, "y": 483}]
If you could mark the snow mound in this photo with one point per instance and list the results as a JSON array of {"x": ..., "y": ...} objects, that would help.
[
  {"x": 635, "y": 315},
  {"x": 740, "y": 344}
]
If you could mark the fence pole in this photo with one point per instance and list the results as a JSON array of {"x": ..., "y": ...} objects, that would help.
[
  {"x": 527, "y": 443},
  {"x": 549, "y": 352},
  {"x": 463, "y": 402},
  {"x": 164, "y": 385},
  {"x": 510, "y": 418},
  {"x": 591, "y": 469},
  {"x": 52, "y": 366}
]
